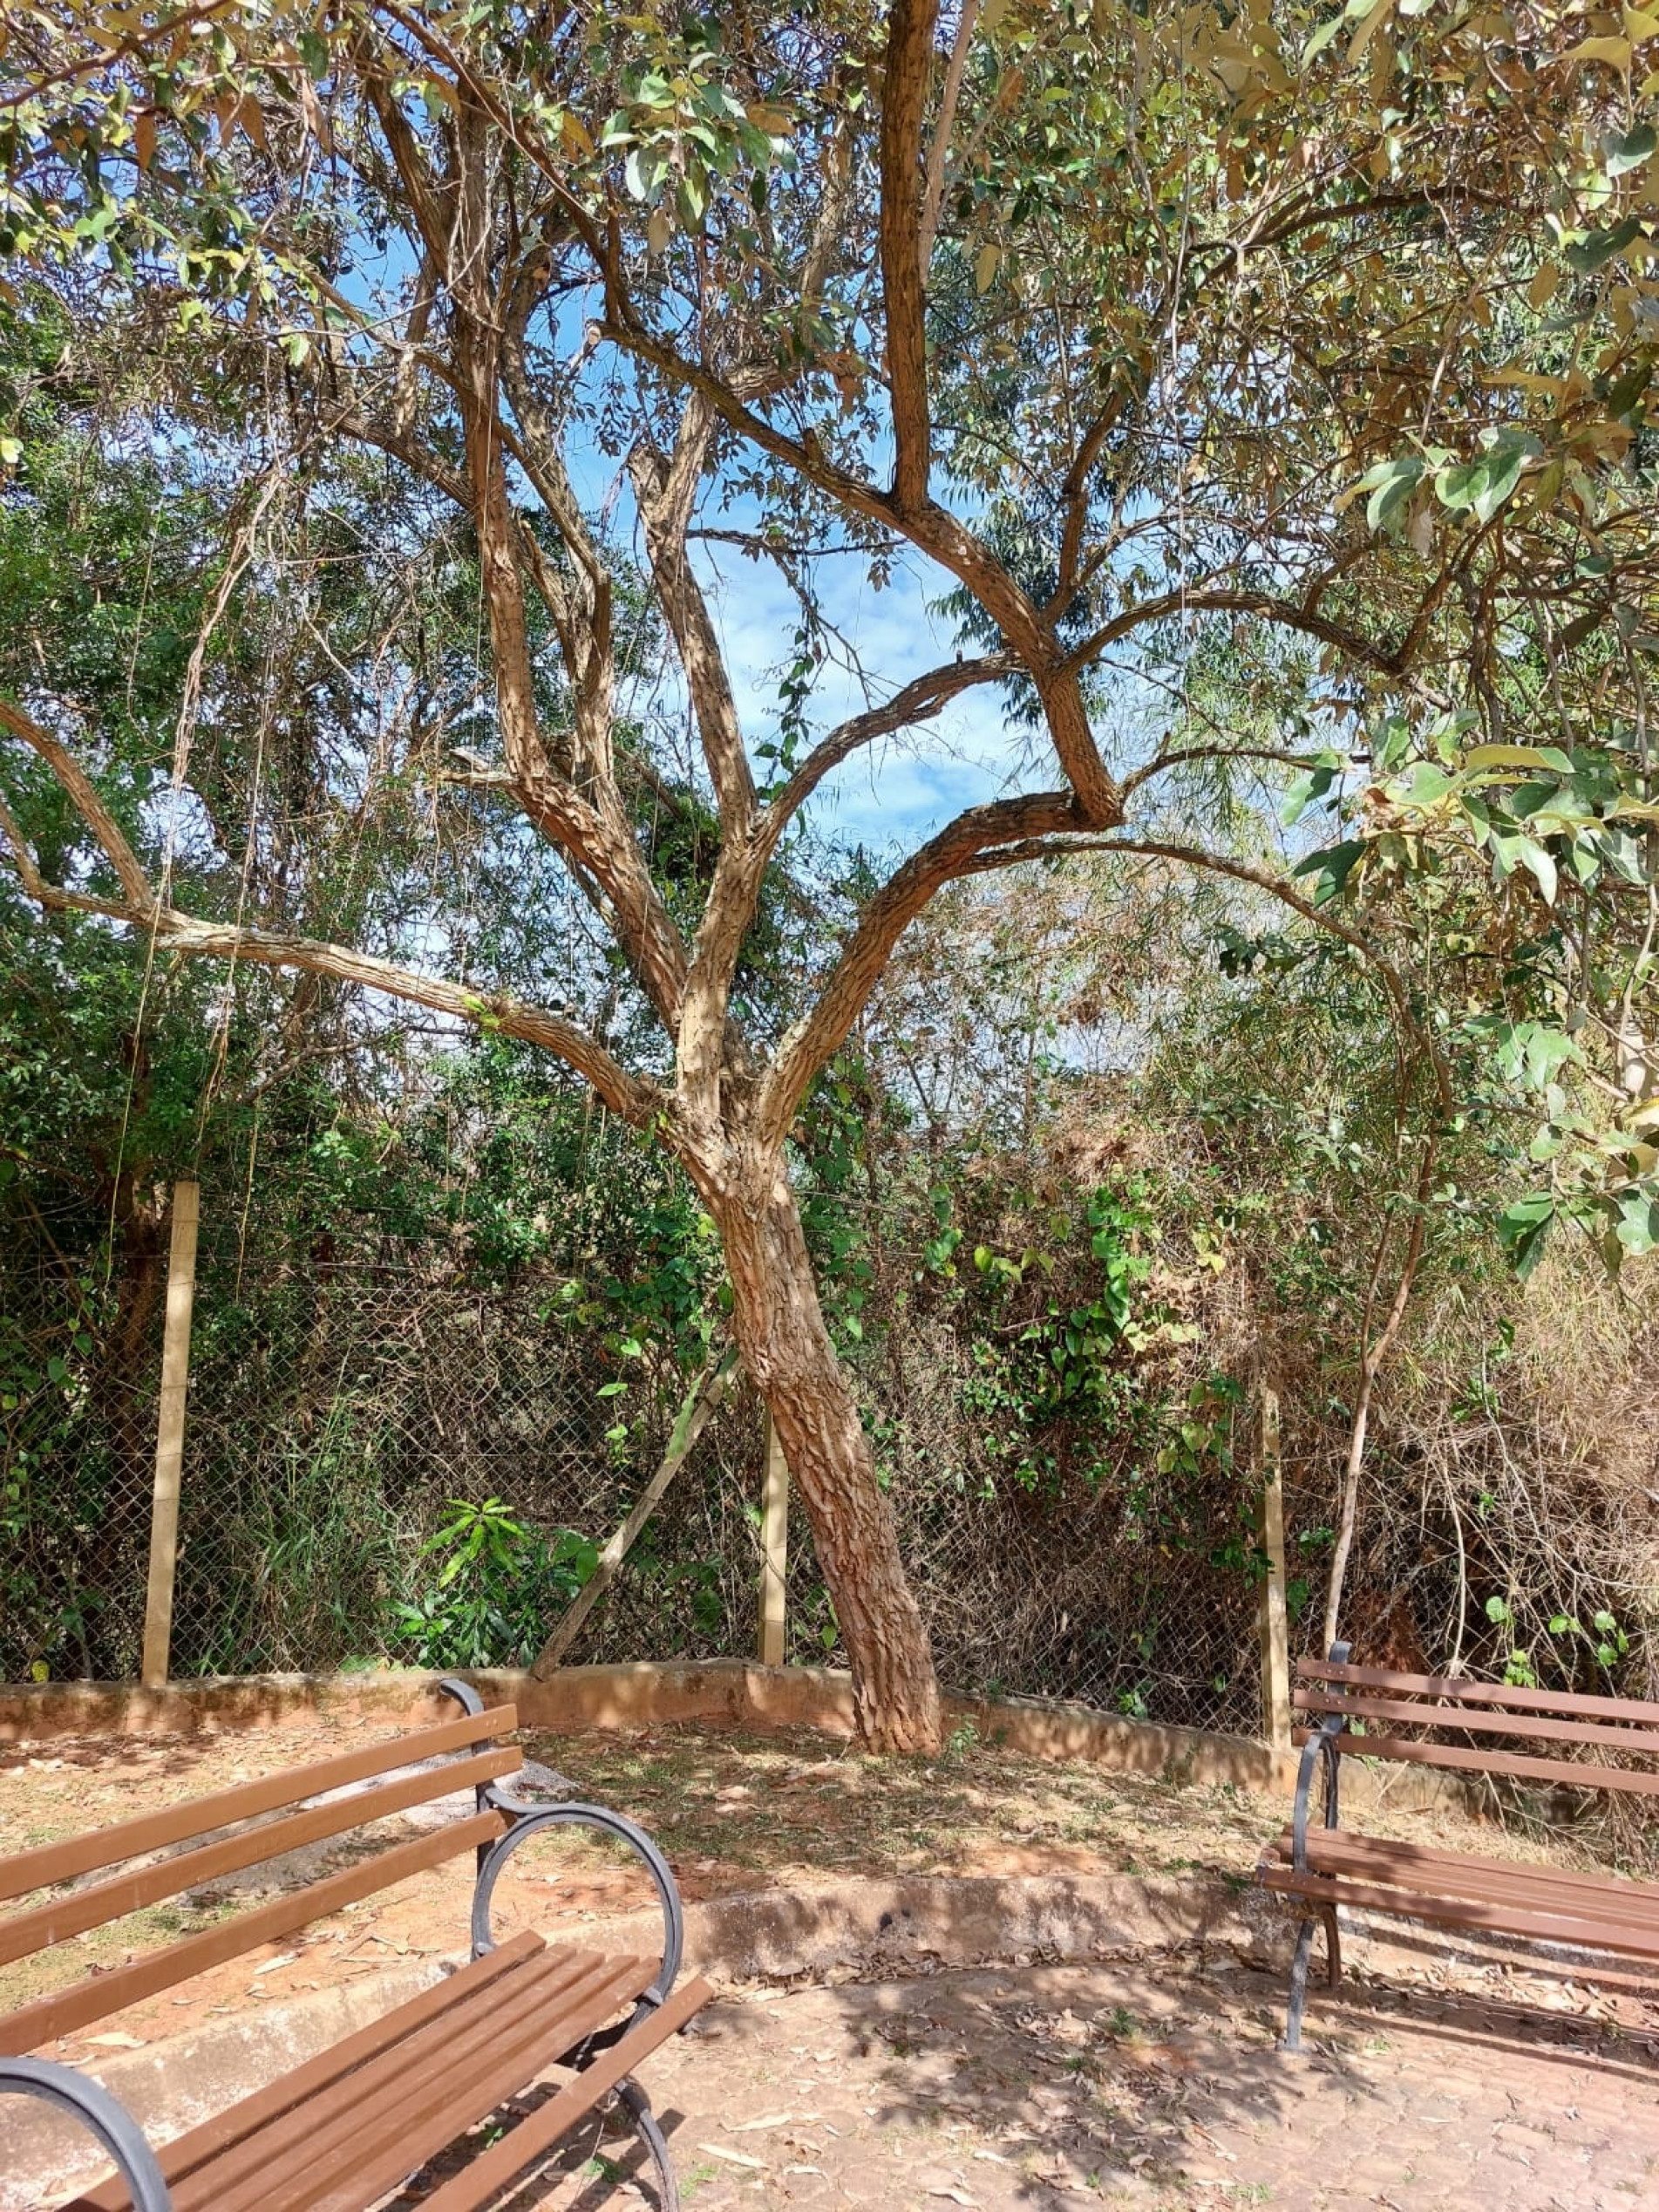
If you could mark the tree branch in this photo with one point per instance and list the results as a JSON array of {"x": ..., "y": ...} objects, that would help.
[
  {"x": 1285, "y": 611},
  {"x": 1042, "y": 848},
  {"x": 83, "y": 793},
  {"x": 666, "y": 491},
  {"x": 918, "y": 701},
  {"x": 910, "y": 66},
  {"x": 636, "y": 1102},
  {"x": 1185, "y": 753},
  {"x": 939, "y": 156},
  {"x": 957, "y": 850}
]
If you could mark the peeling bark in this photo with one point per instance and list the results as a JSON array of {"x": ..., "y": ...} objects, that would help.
[{"x": 779, "y": 1327}]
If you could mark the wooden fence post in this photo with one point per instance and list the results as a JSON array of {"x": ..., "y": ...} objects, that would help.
[
  {"x": 169, "y": 1441},
  {"x": 1275, "y": 1641},
  {"x": 774, "y": 1551}
]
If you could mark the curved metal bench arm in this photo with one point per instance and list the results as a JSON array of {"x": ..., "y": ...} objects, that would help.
[
  {"x": 102, "y": 2114},
  {"x": 1325, "y": 1743},
  {"x": 530, "y": 1820},
  {"x": 463, "y": 1692}
]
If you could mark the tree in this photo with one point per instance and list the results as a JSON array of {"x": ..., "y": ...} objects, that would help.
[{"x": 1110, "y": 321}]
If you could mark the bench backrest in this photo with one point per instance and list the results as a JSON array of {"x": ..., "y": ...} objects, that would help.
[
  {"x": 1408, "y": 1717},
  {"x": 241, "y": 1838}
]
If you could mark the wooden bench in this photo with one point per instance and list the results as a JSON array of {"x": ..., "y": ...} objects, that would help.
[
  {"x": 1409, "y": 1717},
  {"x": 349, "y": 2126}
]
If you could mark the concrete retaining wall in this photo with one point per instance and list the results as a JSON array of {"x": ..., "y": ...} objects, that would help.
[
  {"x": 731, "y": 1692},
  {"x": 724, "y": 1691}
]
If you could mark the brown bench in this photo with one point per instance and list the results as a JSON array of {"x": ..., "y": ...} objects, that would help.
[
  {"x": 349, "y": 2126},
  {"x": 1410, "y": 1716}
]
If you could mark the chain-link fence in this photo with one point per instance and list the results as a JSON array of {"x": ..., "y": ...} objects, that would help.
[
  {"x": 80, "y": 1353},
  {"x": 343, "y": 1392}
]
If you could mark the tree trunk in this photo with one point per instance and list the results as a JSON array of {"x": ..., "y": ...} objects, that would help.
[{"x": 779, "y": 1328}]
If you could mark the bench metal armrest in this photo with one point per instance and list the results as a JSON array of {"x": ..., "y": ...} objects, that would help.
[
  {"x": 528, "y": 1819},
  {"x": 1325, "y": 1743},
  {"x": 102, "y": 2114}
]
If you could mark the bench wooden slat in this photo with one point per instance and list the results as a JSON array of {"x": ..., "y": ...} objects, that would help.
[
  {"x": 468, "y": 1986},
  {"x": 365, "y": 2149},
  {"x": 494, "y": 2170},
  {"x": 101, "y": 1994},
  {"x": 1478, "y": 1881},
  {"x": 420, "y": 2095},
  {"x": 1482, "y": 1722},
  {"x": 1582, "y": 1773},
  {"x": 1482, "y": 1693},
  {"x": 1565, "y": 1927},
  {"x": 1598, "y": 1892},
  {"x": 54, "y": 1862},
  {"x": 72, "y": 1915},
  {"x": 398, "y": 2141}
]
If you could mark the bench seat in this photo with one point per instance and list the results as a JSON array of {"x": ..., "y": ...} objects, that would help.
[
  {"x": 342, "y": 2131},
  {"x": 1498, "y": 1896},
  {"x": 1567, "y": 1741}
]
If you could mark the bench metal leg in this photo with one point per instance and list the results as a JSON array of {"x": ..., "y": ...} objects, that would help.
[
  {"x": 1298, "y": 1986},
  {"x": 1299, "y": 1970},
  {"x": 634, "y": 2099}
]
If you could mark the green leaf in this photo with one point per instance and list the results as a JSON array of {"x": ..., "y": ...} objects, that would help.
[
  {"x": 1635, "y": 1221},
  {"x": 1331, "y": 868},
  {"x": 1304, "y": 791},
  {"x": 1391, "y": 485},
  {"x": 1518, "y": 756},
  {"x": 1541, "y": 866},
  {"x": 1630, "y": 152},
  {"x": 1483, "y": 485},
  {"x": 1523, "y": 1230},
  {"x": 1602, "y": 245},
  {"x": 1497, "y": 1611},
  {"x": 1390, "y": 742}
]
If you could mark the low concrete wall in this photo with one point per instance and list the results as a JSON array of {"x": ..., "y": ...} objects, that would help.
[
  {"x": 729, "y": 1692},
  {"x": 861, "y": 1930},
  {"x": 724, "y": 1690}
]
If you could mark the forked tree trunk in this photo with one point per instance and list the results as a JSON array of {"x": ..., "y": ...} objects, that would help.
[{"x": 779, "y": 1327}]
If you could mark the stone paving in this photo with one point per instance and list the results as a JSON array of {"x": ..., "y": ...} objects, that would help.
[{"x": 1151, "y": 2084}]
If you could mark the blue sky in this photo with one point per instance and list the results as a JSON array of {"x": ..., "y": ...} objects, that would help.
[
  {"x": 893, "y": 794},
  {"x": 898, "y": 791}
]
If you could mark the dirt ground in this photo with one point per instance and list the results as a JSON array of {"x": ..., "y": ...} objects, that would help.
[
  {"x": 1151, "y": 2084},
  {"x": 1150, "y": 2080},
  {"x": 734, "y": 1813}
]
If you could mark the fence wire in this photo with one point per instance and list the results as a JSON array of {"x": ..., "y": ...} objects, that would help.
[{"x": 342, "y": 1394}]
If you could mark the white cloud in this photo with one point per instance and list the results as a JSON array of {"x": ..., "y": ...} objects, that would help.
[{"x": 897, "y": 792}]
